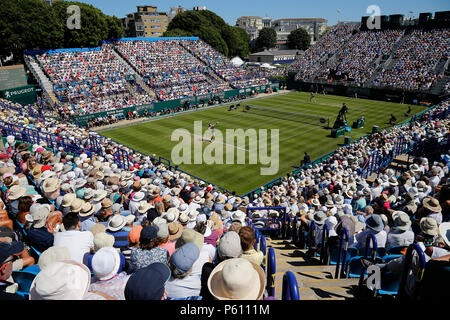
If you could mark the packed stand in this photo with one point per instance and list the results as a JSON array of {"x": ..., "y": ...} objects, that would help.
[
  {"x": 312, "y": 62},
  {"x": 416, "y": 60},
  {"x": 237, "y": 77},
  {"x": 150, "y": 233},
  {"x": 356, "y": 59},
  {"x": 168, "y": 68},
  {"x": 84, "y": 74}
]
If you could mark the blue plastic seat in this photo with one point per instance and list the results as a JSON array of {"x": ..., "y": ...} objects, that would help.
[
  {"x": 23, "y": 279},
  {"x": 353, "y": 267},
  {"x": 395, "y": 250}
]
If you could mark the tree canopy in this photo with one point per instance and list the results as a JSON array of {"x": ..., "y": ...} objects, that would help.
[
  {"x": 299, "y": 39},
  {"x": 34, "y": 24},
  {"x": 267, "y": 39},
  {"x": 212, "y": 29}
]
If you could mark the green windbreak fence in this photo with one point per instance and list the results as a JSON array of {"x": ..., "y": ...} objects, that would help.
[{"x": 172, "y": 104}]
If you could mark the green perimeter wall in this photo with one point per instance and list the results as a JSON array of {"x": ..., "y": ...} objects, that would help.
[{"x": 172, "y": 104}]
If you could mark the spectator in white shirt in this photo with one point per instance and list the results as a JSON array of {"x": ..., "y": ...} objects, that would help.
[{"x": 77, "y": 242}]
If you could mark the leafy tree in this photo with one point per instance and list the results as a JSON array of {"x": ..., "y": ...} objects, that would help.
[
  {"x": 33, "y": 24},
  {"x": 177, "y": 33},
  {"x": 267, "y": 39},
  {"x": 210, "y": 28},
  {"x": 27, "y": 24},
  {"x": 299, "y": 39}
]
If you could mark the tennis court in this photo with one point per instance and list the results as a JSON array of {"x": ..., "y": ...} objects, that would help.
[{"x": 300, "y": 125}]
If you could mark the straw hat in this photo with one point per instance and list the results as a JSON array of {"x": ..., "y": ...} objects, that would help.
[
  {"x": 429, "y": 226},
  {"x": 143, "y": 206},
  {"x": 76, "y": 205},
  {"x": 86, "y": 209},
  {"x": 107, "y": 203},
  {"x": 116, "y": 222},
  {"x": 237, "y": 279},
  {"x": 16, "y": 192},
  {"x": 50, "y": 185},
  {"x": 67, "y": 199},
  {"x": 99, "y": 195},
  {"x": 432, "y": 204},
  {"x": 175, "y": 230}
]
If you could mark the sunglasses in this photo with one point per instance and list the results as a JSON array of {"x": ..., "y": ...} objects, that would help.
[{"x": 14, "y": 258}]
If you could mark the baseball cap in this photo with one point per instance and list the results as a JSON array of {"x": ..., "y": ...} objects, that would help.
[{"x": 7, "y": 249}]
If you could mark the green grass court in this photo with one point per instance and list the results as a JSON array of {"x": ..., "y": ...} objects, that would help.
[{"x": 286, "y": 112}]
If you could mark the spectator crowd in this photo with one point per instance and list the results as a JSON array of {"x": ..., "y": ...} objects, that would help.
[
  {"x": 147, "y": 232},
  {"x": 400, "y": 59}
]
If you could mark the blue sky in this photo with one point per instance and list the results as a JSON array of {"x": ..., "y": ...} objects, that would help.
[{"x": 230, "y": 10}]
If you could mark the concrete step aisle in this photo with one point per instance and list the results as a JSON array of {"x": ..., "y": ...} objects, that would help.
[{"x": 315, "y": 281}]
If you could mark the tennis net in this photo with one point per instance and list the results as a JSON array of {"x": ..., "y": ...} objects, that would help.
[{"x": 318, "y": 120}]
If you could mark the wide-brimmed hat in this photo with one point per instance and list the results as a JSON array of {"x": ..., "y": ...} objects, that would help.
[
  {"x": 172, "y": 214},
  {"x": 432, "y": 204},
  {"x": 106, "y": 263},
  {"x": 76, "y": 205},
  {"x": 193, "y": 215},
  {"x": 393, "y": 181},
  {"x": 175, "y": 230},
  {"x": 107, "y": 203},
  {"x": 116, "y": 222},
  {"x": 339, "y": 199},
  {"x": 16, "y": 192},
  {"x": 237, "y": 279},
  {"x": 67, "y": 199},
  {"x": 99, "y": 195},
  {"x": 143, "y": 206},
  {"x": 36, "y": 172},
  {"x": 219, "y": 200},
  {"x": 61, "y": 280},
  {"x": 88, "y": 193},
  {"x": 51, "y": 185},
  {"x": 79, "y": 183},
  {"x": 401, "y": 220},
  {"x": 315, "y": 202},
  {"x": 429, "y": 226},
  {"x": 39, "y": 213},
  {"x": 183, "y": 208},
  {"x": 183, "y": 218},
  {"x": 239, "y": 216},
  {"x": 218, "y": 224},
  {"x": 53, "y": 254},
  {"x": 329, "y": 203},
  {"x": 138, "y": 196},
  {"x": 320, "y": 218},
  {"x": 421, "y": 186},
  {"x": 444, "y": 231},
  {"x": 190, "y": 235},
  {"x": 375, "y": 223},
  {"x": 414, "y": 168},
  {"x": 86, "y": 209}
]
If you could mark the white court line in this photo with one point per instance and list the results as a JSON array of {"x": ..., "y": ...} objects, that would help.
[{"x": 232, "y": 145}]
